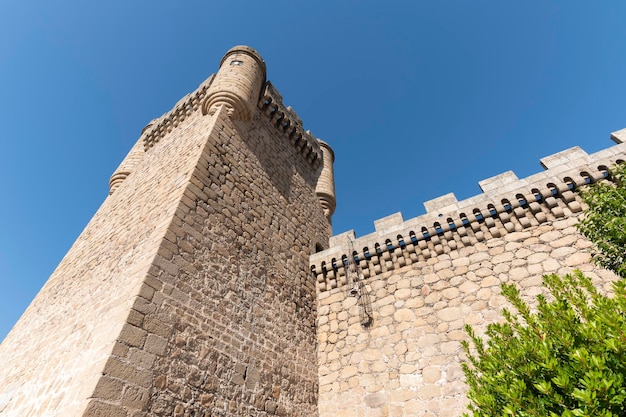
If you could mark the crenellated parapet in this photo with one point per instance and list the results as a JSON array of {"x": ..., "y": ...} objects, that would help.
[
  {"x": 158, "y": 128},
  {"x": 289, "y": 124},
  {"x": 154, "y": 131},
  {"x": 237, "y": 83},
  {"x": 240, "y": 86},
  {"x": 507, "y": 205}
]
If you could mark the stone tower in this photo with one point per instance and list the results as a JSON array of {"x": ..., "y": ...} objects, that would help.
[{"x": 189, "y": 293}]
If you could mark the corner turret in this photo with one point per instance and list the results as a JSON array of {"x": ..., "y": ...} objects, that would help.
[
  {"x": 237, "y": 84},
  {"x": 325, "y": 188}
]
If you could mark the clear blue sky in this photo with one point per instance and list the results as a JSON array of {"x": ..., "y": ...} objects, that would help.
[{"x": 417, "y": 98}]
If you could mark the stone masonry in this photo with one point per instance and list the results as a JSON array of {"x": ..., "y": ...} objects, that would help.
[
  {"x": 208, "y": 283},
  {"x": 189, "y": 292},
  {"x": 421, "y": 280}
]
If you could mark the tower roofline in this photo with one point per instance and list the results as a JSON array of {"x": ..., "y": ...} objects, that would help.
[
  {"x": 507, "y": 205},
  {"x": 243, "y": 49}
]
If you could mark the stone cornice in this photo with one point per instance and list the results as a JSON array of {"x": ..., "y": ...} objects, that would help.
[
  {"x": 160, "y": 127},
  {"x": 508, "y": 205},
  {"x": 289, "y": 124},
  {"x": 271, "y": 106}
]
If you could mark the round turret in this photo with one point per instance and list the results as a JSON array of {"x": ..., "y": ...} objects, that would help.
[
  {"x": 325, "y": 188},
  {"x": 237, "y": 84}
]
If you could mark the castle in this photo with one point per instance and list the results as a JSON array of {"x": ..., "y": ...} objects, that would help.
[{"x": 208, "y": 282}]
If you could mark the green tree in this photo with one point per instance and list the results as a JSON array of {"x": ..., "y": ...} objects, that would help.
[
  {"x": 604, "y": 222},
  {"x": 566, "y": 359}
]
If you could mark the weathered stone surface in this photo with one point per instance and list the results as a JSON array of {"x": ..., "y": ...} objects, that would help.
[
  {"x": 413, "y": 344},
  {"x": 201, "y": 286},
  {"x": 194, "y": 272}
]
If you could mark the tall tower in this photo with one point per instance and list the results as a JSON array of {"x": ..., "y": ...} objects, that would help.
[{"x": 189, "y": 292}]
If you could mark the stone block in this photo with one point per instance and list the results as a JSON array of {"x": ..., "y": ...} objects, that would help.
[{"x": 97, "y": 408}]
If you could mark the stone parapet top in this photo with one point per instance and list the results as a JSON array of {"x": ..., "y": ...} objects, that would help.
[
  {"x": 619, "y": 136},
  {"x": 186, "y": 106},
  {"x": 287, "y": 121},
  {"x": 498, "y": 183},
  {"x": 270, "y": 104},
  {"x": 562, "y": 158},
  {"x": 507, "y": 205}
]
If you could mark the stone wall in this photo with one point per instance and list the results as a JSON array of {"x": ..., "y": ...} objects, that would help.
[
  {"x": 189, "y": 293},
  {"x": 423, "y": 279},
  {"x": 196, "y": 289},
  {"x": 231, "y": 281}
]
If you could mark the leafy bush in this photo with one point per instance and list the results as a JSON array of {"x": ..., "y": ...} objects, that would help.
[
  {"x": 604, "y": 222},
  {"x": 566, "y": 359}
]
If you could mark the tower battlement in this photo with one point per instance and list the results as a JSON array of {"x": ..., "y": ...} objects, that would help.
[
  {"x": 188, "y": 293},
  {"x": 208, "y": 282},
  {"x": 507, "y": 205},
  {"x": 391, "y": 322}
]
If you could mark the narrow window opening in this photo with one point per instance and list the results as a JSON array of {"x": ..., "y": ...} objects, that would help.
[
  {"x": 604, "y": 171},
  {"x": 478, "y": 215},
  {"x": 553, "y": 190},
  {"x": 586, "y": 176}
]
